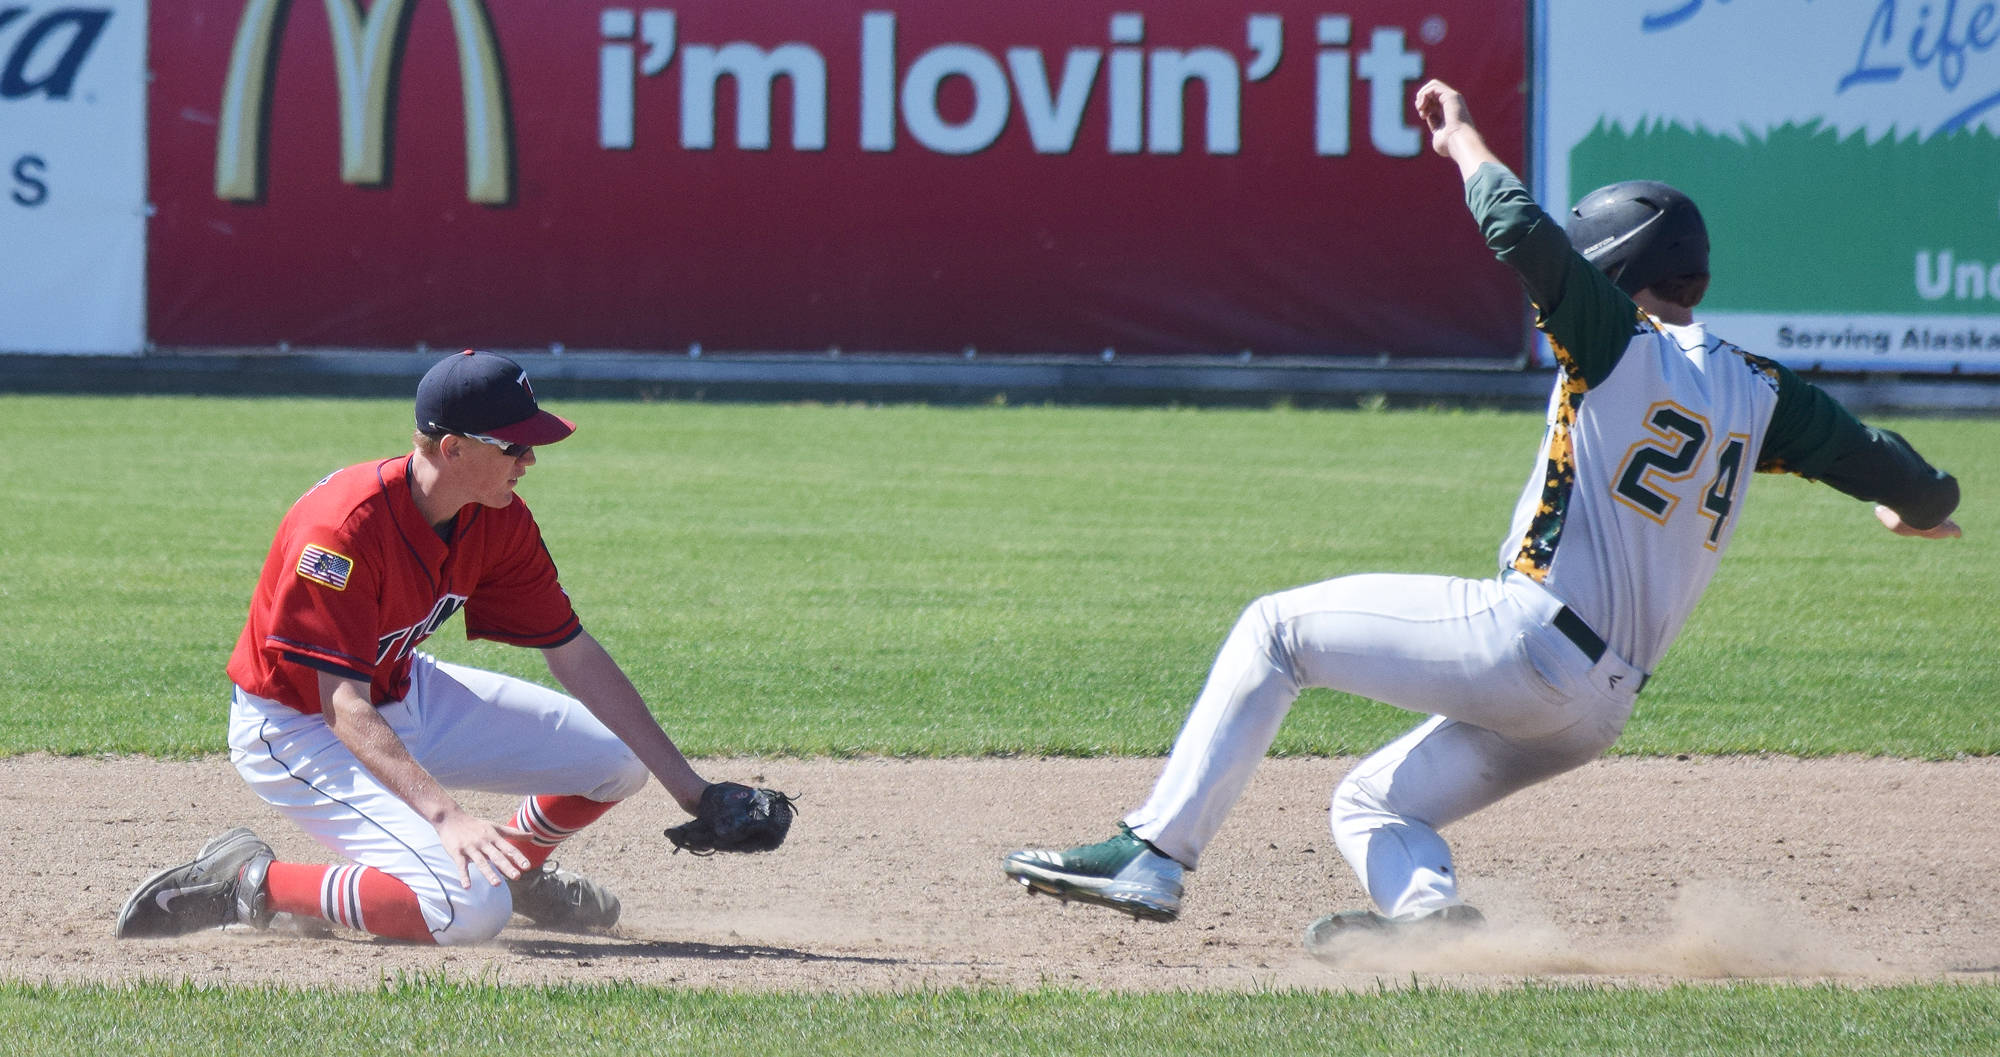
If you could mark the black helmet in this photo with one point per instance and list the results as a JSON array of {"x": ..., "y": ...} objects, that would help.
[{"x": 1640, "y": 232}]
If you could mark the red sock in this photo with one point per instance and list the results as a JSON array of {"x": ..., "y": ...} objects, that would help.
[
  {"x": 550, "y": 820},
  {"x": 355, "y": 896}
]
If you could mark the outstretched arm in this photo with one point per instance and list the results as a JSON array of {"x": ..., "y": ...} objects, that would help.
[
  {"x": 1813, "y": 436},
  {"x": 1589, "y": 322},
  {"x": 587, "y": 671}
]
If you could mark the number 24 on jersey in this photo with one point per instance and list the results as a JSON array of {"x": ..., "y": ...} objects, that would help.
[{"x": 1662, "y": 467}]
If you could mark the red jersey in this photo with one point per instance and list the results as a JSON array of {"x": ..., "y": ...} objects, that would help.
[{"x": 357, "y": 578}]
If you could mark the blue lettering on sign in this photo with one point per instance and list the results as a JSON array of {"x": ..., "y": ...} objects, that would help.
[
  {"x": 1654, "y": 23},
  {"x": 1882, "y": 26},
  {"x": 50, "y": 51},
  {"x": 1937, "y": 37},
  {"x": 29, "y": 190},
  {"x": 1945, "y": 42},
  {"x": 1900, "y": 37}
]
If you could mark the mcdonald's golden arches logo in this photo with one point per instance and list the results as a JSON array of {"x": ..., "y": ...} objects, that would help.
[{"x": 367, "y": 51}]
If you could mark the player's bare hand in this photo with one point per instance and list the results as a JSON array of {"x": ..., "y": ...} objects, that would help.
[
  {"x": 1943, "y": 530},
  {"x": 1444, "y": 112},
  {"x": 472, "y": 841}
]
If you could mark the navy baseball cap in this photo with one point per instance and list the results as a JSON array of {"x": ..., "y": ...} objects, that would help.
[{"x": 487, "y": 394}]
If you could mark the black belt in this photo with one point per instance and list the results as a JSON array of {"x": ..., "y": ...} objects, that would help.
[{"x": 1574, "y": 629}]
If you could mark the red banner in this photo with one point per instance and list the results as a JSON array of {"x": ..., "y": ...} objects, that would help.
[{"x": 1036, "y": 176}]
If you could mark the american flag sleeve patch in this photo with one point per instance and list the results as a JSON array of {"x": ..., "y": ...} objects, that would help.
[{"x": 323, "y": 566}]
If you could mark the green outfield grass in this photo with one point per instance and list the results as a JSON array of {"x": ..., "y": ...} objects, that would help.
[
  {"x": 910, "y": 580},
  {"x": 431, "y": 1017}
]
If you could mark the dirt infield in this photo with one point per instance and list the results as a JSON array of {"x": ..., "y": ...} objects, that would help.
[{"x": 1633, "y": 870}]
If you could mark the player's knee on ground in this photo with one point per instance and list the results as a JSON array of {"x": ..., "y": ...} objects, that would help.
[{"x": 467, "y": 915}]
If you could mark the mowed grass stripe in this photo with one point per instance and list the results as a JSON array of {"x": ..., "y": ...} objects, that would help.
[{"x": 801, "y": 579}]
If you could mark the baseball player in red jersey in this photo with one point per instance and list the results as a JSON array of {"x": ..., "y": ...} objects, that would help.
[
  {"x": 1654, "y": 427},
  {"x": 340, "y": 722}
]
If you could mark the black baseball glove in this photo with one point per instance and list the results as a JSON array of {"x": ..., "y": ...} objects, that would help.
[{"x": 735, "y": 817}]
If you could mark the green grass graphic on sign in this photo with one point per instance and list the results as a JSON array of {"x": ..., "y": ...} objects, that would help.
[{"x": 1803, "y": 219}]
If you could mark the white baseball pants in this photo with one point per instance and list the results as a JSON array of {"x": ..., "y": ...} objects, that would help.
[
  {"x": 1513, "y": 701},
  {"x": 471, "y": 729}
]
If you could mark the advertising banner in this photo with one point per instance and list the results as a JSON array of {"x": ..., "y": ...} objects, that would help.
[
  {"x": 1033, "y": 176},
  {"x": 1845, "y": 153},
  {"x": 72, "y": 176}
]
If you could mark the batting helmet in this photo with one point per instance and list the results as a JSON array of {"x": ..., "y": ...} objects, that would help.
[{"x": 1639, "y": 232}]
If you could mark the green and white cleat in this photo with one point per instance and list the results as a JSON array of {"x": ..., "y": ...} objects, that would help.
[{"x": 1124, "y": 873}]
